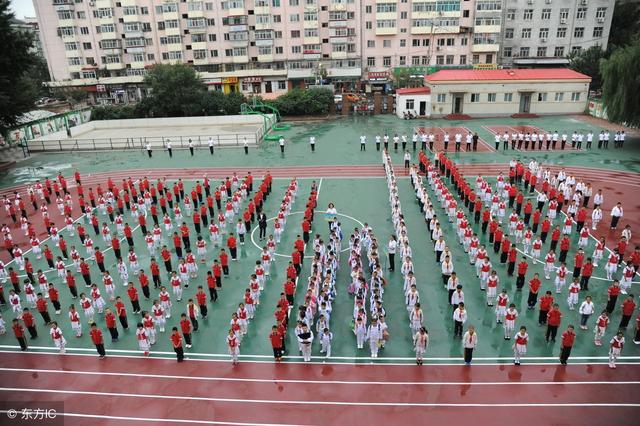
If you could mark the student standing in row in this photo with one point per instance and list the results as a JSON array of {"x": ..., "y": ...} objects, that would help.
[
  {"x": 312, "y": 143},
  {"x": 469, "y": 343},
  {"x": 568, "y": 337},
  {"x": 176, "y": 341},
  {"x": 97, "y": 339}
]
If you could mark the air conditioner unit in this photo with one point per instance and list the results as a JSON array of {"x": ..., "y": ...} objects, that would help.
[
  {"x": 547, "y": 1},
  {"x": 601, "y": 20},
  {"x": 583, "y": 2},
  {"x": 529, "y": 1},
  {"x": 437, "y": 47},
  {"x": 92, "y": 3},
  {"x": 543, "y": 40},
  {"x": 563, "y": 21}
]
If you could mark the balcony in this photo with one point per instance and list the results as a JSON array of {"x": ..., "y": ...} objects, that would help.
[
  {"x": 263, "y": 26},
  {"x": 167, "y": 16},
  {"x": 386, "y": 15},
  {"x": 262, "y": 10},
  {"x": 201, "y": 45},
  {"x": 107, "y": 20},
  {"x": 338, "y": 24},
  {"x": 130, "y": 18},
  {"x": 133, "y": 34},
  {"x": 338, "y": 40},
  {"x": 265, "y": 58},
  {"x": 264, "y": 42},
  {"x": 311, "y": 24},
  {"x": 237, "y": 11},
  {"x": 66, "y": 22},
  {"x": 486, "y": 29},
  {"x": 137, "y": 65},
  {"x": 115, "y": 66},
  {"x": 479, "y": 48},
  {"x": 311, "y": 40},
  {"x": 195, "y": 14},
  {"x": 386, "y": 31},
  {"x": 172, "y": 32},
  {"x": 300, "y": 73},
  {"x": 236, "y": 28},
  {"x": 72, "y": 53},
  {"x": 337, "y": 7},
  {"x": 312, "y": 55},
  {"x": 339, "y": 55},
  {"x": 103, "y": 4},
  {"x": 240, "y": 59},
  {"x": 201, "y": 61}
]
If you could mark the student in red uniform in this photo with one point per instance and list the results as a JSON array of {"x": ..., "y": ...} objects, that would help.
[
  {"x": 176, "y": 341},
  {"x": 121, "y": 311},
  {"x": 568, "y": 337},
  {"x": 98, "y": 340},
  {"x": 201, "y": 298},
  {"x": 276, "y": 343},
  {"x": 211, "y": 284},
  {"x": 224, "y": 262},
  {"x": 522, "y": 272},
  {"x": 18, "y": 331},
  {"x": 43, "y": 309},
  {"x": 553, "y": 322},
  {"x": 30, "y": 323},
  {"x": 233, "y": 247},
  {"x": 217, "y": 273},
  {"x": 133, "y": 297},
  {"x": 110, "y": 320},
  {"x": 187, "y": 328},
  {"x": 545, "y": 305},
  {"x": 627, "y": 308}
]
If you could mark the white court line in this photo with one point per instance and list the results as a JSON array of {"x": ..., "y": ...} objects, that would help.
[
  {"x": 324, "y": 382},
  {"x": 52, "y": 351},
  {"x": 308, "y": 402},
  {"x": 165, "y": 420}
]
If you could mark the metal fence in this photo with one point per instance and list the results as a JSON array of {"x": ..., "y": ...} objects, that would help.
[{"x": 139, "y": 143}]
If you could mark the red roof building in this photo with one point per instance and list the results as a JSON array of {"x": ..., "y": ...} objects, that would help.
[{"x": 522, "y": 92}]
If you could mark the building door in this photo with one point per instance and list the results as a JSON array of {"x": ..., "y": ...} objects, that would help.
[
  {"x": 423, "y": 108},
  {"x": 525, "y": 103},
  {"x": 457, "y": 103}
]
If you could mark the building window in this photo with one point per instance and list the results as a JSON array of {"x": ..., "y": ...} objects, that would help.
[
  {"x": 524, "y": 52},
  {"x": 475, "y": 59},
  {"x": 463, "y": 59},
  {"x": 282, "y": 85},
  {"x": 527, "y": 15},
  {"x": 491, "y": 97},
  {"x": 542, "y": 51},
  {"x": 403, "y": 43},
  {"x": 578, "y": 32},
  {"x": 575, "y": 97},
  {"x": 83, "y": 30},
  {"x": 386, "y": 43},
  {"x": 597, "y": 32},
  {"x": 386, "y": 8},
  {"x": 448, "y": 60},
  {"x": 279, "y": 50},
  {"x": 581, "y": 13},
  {"x": 371, "y": 43},
  {"x": 212, "y": 37},
  {"x": 562, "y": 32},
  {"x": 546, "y": 14},
  {"x": 408, "y": 104},
  {"x": 294, "y": 17},
  {"x": 415, "y": 60},
  {"x": 526, "y": 33},
  {"x": 403, "y": 61},
  {"x": 415, "y": 42},
  {"x": 451, "y": 41},
  {"x": 507, "y": 52},
  {"x": 508, "y": 97},
  {"x": 294, "y": 2},
  {"x": 544, "y": 33},
  {"x": 475, "y": 97},
  {"x": 295, "y": 34},
  {"x": 441, "y": 98},
  {"x": 386, "y": 61},
  {"x": 464, "y": 41},
  {"x": 296, "y": 49},
  {"x": 564, "y": 14},
  {"x": 511, "y": 14},
  {"x": 81, "y": 15},
  {"x": 558, "y": 52},
  {"x": 371, "y": 61},
  {"x": 576, "y": 49},
  {"x": 424, "y": 60},
  {"x": 440, "y": 60},
  {"x": 542, "y": 97},
  {"x": 368, "y": 9},
  {"x": 404, "y": 15},
  {"x": 86, "y": 46},
  {"x": 425, "y": 42},
  {"x": 508, "y": 33},
  {"x": 368, "y": 25},
  {"x": 559, "y": 96},
  {"x": 386, "y": 23},
  {"x": 440, "y": 42},
  {"x": 601, "y": 12}
]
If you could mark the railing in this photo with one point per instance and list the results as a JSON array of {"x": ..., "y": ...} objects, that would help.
[{"x": 140, "y": 143}]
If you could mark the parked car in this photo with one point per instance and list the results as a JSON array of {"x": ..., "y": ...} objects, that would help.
[{"x": 337, "y": 98}]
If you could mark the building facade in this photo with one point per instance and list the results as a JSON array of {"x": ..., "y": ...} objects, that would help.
[
  {"x": 486, "y": 93},
  {"x": 545, "y": 32},
  {"x": 267, "y": 47}
]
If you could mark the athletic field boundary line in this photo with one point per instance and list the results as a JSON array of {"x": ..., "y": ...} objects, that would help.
[
  {"x": 307, "y": 402},
  {"x": 325, "y": 382}
]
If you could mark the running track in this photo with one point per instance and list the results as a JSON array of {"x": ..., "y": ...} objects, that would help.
[{"x": 132, "y": 390}]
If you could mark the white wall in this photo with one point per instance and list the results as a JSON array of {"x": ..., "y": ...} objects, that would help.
[
  {"x": 484, "y": 108},
  {"x": 401, "y": 102}
]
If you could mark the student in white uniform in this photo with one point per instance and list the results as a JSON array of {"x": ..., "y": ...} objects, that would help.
[
  {"x": 420, "y": 344},
  {"x": 374, "y": 336}
]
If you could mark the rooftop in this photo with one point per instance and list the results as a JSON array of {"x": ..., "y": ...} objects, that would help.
[
  {"x": 507, "y": 74},
  {"x": 414, "y": 91}
]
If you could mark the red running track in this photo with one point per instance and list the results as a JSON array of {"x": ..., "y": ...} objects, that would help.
[{"x": 130, "y": 390}]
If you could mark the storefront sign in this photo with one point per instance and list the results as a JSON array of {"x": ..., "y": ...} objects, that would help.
[
  {"x": 252, "y": 80},
  {"x": 378, "y": 76},
  {"x": 230, "y": 80},
  {"x": 101, "y": 88}
]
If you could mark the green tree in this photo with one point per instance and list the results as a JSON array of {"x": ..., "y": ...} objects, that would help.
[
  {"x": 176, "y": 91},
  {"x": 621, "y": 84},
  {"x": 17, "y": 90},
  {"x": 625, "y": 24},
  {"x": 304, "y": 102},
  {"x": 588, "y": 62}
]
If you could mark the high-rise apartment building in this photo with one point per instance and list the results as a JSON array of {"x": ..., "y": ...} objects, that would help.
[
  {"x": 545, "y": 32},
  {"x": 269, "y": 46}
]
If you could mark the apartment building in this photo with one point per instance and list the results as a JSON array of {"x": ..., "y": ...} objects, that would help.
[
  {"x": 269, "y": 46},
  {"x": 254, "y": 46},
  {"x": 544, "y": 32},
  {"x": 422, "y": 33}
]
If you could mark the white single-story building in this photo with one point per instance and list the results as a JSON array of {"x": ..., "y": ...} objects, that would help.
[
  {"x": 416, "y": 100},
  {"x": 508, "y": 91}
]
